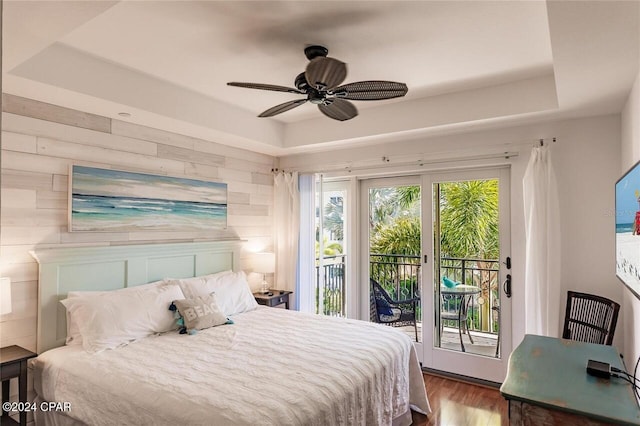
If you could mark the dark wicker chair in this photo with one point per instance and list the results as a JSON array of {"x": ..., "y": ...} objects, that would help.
[
  {"x": 590, "y": 318},
  {"x": 385, "y": 310}
]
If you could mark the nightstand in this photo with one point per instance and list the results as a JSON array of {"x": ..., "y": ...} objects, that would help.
[
  {"x": 13, "y": 363},
  {"x": 273, "y": 298}
]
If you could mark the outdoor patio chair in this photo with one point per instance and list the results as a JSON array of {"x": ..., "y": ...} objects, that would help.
[
  {"x": 496, "y": 310},
  {"x": 590, "y": 318},
  {"x": 458, "y": 315},
  {"x": 385, "y": 310}
]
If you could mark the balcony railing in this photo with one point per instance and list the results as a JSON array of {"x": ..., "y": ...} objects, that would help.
[
  {"x": 333, "y": 294},
  {"x": 481, "y": 273},
  {"x": 400, "y": 276}
]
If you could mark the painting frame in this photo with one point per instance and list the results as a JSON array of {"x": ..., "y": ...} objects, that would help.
[
  {"x": 114, "y": 200},
  {"x": 627, "y": 228}
]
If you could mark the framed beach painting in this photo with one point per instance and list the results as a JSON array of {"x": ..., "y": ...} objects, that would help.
[
  {"x": 627, "y": 215},
  {"x": 104, "y": 200}
]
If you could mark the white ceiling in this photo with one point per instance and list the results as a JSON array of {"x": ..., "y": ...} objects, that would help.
[{"x": 471, "y": 63}]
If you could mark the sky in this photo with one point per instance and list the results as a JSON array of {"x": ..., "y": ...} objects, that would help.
[
  {"x": 627, "y": 193},
  {"x": 88, "y": 180}
]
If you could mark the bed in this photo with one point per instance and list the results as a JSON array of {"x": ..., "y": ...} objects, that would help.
[{"x": 271, "y": 366}]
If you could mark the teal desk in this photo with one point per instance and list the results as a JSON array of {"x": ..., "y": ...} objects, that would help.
[{"x": 547, "y": 383}]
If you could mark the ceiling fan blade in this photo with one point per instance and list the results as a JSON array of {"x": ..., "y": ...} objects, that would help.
[
  {"x": 324, "y": 73},
  {"x": 282, "y": 108},
  {"x": 373, "y": 90},
  {"x": 338, "y": 109},
  {"x": 260, "y": 86}
]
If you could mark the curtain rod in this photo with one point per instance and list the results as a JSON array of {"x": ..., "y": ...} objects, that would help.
[
  {"x": 386, "y": 162},
  {"x": 541, "y": 140}
]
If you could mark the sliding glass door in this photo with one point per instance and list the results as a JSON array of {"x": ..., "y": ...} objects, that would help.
[
  {"x": 433, "y": 263},
  {"x": 331, "y": 248},
  {"x": 467, "y": 277},
  {"x": 391, "y": 245}
]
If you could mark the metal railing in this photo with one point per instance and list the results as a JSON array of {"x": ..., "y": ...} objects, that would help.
[
  {"x": 399, "y": 275},
  {"x": 480, "y": 273},
  {"x": 332, "y": 301}
]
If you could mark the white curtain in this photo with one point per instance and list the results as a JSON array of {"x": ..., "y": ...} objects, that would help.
[
  {"x": 542, "y": 262},
  {"x": 305, "y": 289},
  {"x": 286, "y": 212}
]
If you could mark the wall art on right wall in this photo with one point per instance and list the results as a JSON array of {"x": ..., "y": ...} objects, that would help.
[{"x": 627, "y": 213}]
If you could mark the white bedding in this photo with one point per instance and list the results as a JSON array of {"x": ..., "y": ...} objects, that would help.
[{"x": 272, "y": 367}]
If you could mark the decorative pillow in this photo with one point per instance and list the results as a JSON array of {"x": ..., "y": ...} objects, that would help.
[
  {"x": 73, "y": 331},
  {"x": 186, "y": 284},
  {"x": 232, "y": 291},
  {"x": 119, "y": 317},
  {"x": 384, "y": 308},
  {"x": 199, "y": 313}
]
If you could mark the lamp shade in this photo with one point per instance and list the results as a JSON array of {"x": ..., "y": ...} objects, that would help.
[
  {"x": 5, "y": 296},
  {"x": 265, "y": 263}
]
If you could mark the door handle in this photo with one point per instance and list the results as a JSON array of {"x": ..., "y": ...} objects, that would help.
[
  {"x": 507, "y": 262},
  {"x": 506, "y": 286}
]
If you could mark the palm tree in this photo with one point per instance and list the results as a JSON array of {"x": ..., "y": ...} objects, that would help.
[
  {"x": 395, "y": 229},
  {"x": 469, "y": 229},
  {"x": 468, "y": 225},
  {"x": 381, "y": 207},
  {"x": 402, "y": 236},
  {"x": 333, "y": 220},
  {"x": 469, "y": 219}
]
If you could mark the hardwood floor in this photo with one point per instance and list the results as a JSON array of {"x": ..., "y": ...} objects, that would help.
[{"x": 454, "y": 403}]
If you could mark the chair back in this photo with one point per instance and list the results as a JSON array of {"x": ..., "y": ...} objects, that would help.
[
  {"x": 379, "y": 299},
  {"x": 373, "y": 306},
  {"x": 590, "y": 318}
]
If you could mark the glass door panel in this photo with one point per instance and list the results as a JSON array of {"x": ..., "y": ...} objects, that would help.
[
  {"x": 466, "y": 241},
  {"x": 393, "y": 233},
  {"x": 468, "y": 214},
  {"x": 331, "y": 248}
]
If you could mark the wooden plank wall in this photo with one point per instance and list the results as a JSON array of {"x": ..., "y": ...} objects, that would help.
[{"x": 40, "y": 141}]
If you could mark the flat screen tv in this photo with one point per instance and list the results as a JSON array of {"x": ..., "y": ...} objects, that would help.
[{"x": 627, "y": 215}]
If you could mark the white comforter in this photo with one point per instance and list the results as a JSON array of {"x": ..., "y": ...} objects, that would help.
[{"x": 272, "y": 367}]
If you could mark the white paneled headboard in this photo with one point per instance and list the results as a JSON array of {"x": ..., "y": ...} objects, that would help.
[{"x": 108, "y": 268}]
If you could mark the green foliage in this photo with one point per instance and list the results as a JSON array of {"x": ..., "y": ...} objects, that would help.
[
  {"x": 408, "y": 197},
  {"x": 469, "y": 219},
  {"x": 381, "y": 208},
  {"x": 333, "y": 220},
  {"x": 329, "y": 249},
  {"x": 401, "y": 236}
]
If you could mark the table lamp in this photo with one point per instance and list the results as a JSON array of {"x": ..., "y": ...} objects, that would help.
[
  {"x": 264, "y": 263},
  {"x": 5, "y": 295}
]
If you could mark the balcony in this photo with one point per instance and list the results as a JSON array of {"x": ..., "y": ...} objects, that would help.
[
  {"x": 400, "y": 277},
  {"x": 330, "y": 300}
]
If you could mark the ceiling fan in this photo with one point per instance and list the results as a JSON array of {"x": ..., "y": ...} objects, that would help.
[{"x": 320, "y": 83}]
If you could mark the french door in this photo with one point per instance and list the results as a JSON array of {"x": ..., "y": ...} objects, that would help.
[
  {"x": 443, "y": 239},
  {"x": 466, "y": 273},
  {"x": 391, "y": 248}
]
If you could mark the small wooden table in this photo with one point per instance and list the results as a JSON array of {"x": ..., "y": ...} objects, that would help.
[
  {"x": 547, "y": 383},
  {"x": 13, "y": 363},
  {"x": 273, "y": 298}
]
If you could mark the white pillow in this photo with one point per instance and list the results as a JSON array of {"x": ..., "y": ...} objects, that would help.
[
  {"x": 73, "y": 331},
  {"x": 231, "y": 289},
  {"x": 186, "y": 284},
  {"x": 117, "y": 318}
]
